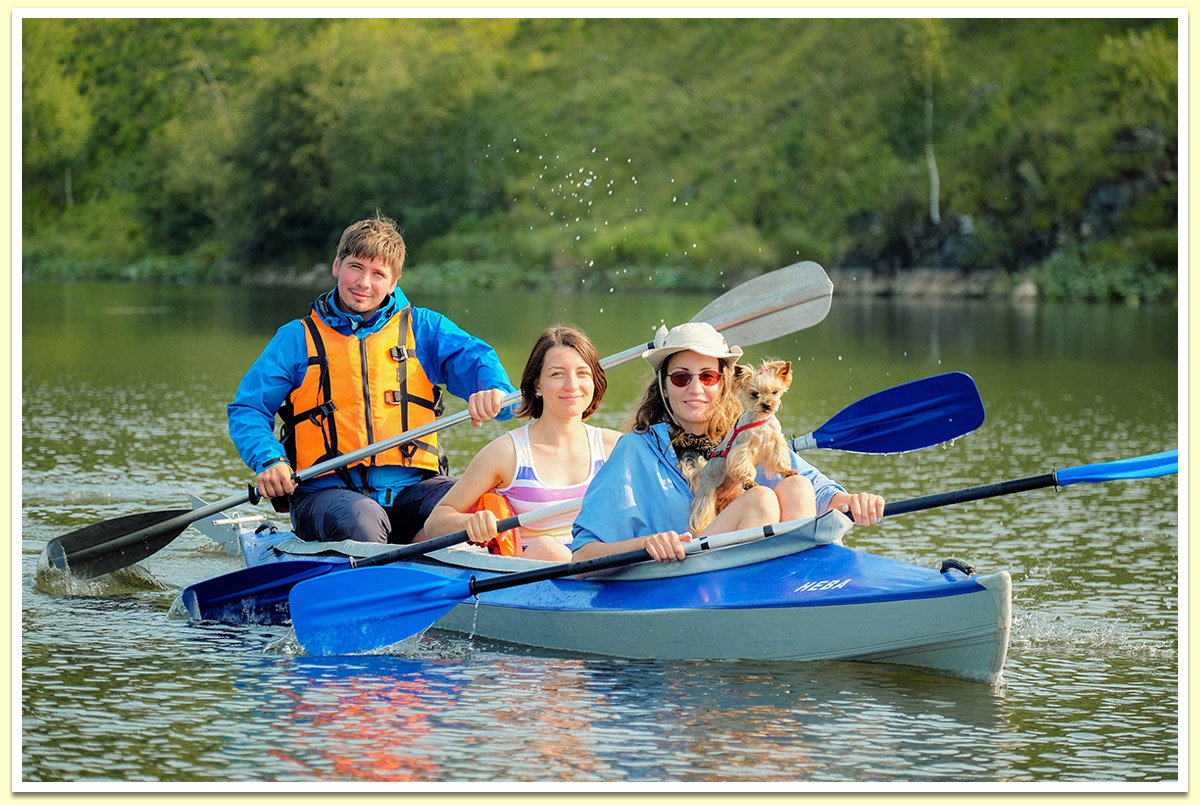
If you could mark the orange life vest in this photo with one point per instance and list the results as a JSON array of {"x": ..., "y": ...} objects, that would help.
[
  {"x": 358, "y": 391},
  {"x": 507, "y": 543}
]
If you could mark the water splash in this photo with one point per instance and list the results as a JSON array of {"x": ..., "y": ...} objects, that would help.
[{"x": 134, "y": 579}]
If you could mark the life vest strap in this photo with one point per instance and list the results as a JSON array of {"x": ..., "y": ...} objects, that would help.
[
  {"x": 322, "y": 416},
  {"x": 316, "y": 414}
]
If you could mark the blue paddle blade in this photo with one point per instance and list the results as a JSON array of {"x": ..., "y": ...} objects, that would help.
[
  {"x": 347, "y": 613},
  {"x": 1151, "y": 466},
  {"x": 911, "y": 416},
  {"x": 254, "y": 594}
]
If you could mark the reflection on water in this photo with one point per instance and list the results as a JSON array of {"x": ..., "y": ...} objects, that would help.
[{"x": 123, "y": 400}]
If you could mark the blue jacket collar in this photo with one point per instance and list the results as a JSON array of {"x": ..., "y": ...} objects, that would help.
[{"x": 330, "y": 311}]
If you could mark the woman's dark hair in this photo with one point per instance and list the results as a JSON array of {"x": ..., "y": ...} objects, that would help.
[{"x": 560, "y": 335}]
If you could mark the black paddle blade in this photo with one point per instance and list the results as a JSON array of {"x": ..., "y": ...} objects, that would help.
[{"x": 113, "y": 544}]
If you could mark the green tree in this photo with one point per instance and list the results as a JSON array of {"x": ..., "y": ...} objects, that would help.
[
  {"x": 56, "y": 118},
  {"x": 277, "y": 209},
  {"x": 1143, "y": 72},
  {"x": 925, "y": 42},
  {"x": 418, "y": 140}
]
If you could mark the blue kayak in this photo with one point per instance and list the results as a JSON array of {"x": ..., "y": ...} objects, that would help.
[{"x": 797, "y": 596}]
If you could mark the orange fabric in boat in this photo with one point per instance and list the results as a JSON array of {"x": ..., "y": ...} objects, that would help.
[{"x": 507, "y": 543}]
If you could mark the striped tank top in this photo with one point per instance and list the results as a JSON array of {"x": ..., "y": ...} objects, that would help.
[{"x": 527, "y": 491}]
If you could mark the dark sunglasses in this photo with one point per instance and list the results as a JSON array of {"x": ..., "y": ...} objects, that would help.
[{"x": 709, "y": 377}]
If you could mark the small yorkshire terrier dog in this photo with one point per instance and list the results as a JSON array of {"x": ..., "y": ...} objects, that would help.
[{"x": 755, "y": 440}]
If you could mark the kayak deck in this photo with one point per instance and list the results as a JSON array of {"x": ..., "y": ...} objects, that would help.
[{"x": 778, "y": 598}]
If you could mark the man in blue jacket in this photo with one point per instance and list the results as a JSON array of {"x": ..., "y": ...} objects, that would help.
[{"x": 362, "y": 366}]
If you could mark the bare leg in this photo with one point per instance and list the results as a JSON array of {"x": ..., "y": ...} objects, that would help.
[
  {"x": 797, "y": 501},
  {"x": 754, "y": 507},
  {"x": 547, "y": 549}
]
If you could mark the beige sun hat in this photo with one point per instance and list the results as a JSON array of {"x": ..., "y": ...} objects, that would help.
[{"x": 694, "y": 336}]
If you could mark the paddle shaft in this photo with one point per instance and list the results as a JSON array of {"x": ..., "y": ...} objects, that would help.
[
  {"x": 255, "y": 593},
  {"x": 1151, "y": 466},
  {"x": 478, "y": 586},
  {"x": 971, "y": 493},
  {"x": 599, "y": 563},
  {"x": 810, "y": 285},
  {"x": 458, "y": 537},
  {"x": 631, "y": 557}
]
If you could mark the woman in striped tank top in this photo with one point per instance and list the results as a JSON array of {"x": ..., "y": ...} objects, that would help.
[{"x": 553, "y": 458}]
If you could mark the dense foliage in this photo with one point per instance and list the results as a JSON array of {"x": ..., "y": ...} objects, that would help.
[{"x": 670, "y": 152}]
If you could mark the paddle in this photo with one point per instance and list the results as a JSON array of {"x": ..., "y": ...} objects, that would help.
[
  {"x": 339, "y": 614},
  {"x": 260, "y": 594},
  {"x": 768, "y": 306},
  {"x": 913, "y": 415},
  {"x": 1150, "y": 466}
]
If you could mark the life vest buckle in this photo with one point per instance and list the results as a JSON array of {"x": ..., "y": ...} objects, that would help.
[
  {"x": 322, "y": 411},
  {"x": 392, "y": 397}
]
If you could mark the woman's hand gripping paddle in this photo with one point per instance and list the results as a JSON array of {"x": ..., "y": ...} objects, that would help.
[{"x": 340, "y": 614}]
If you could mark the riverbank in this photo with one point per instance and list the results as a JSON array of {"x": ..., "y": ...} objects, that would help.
[
  {"x": 920, "y": 283},
  {"x": 1098, "y": 283}
]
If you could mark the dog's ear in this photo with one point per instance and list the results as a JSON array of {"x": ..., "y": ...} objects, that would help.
[
  {"x": 785, "y": 372},
  {"x": 741, "y": 374},
  {"x": 781, "y": 369}
]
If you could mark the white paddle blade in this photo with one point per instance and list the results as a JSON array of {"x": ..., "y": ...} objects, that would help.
[{"x": 772, "y": 305}]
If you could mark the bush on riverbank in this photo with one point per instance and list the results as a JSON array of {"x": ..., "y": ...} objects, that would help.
[
  {"x": 1064, "y": 278},
  {"x": 1073, "y": 276}
]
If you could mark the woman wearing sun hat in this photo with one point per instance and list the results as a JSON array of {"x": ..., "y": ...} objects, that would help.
[{"x": 640, "y": 499}]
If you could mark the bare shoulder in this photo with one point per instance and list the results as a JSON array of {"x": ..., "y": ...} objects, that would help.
[
  {"x": 610, "y": 439},
  {"x": 496, "y": 460}
]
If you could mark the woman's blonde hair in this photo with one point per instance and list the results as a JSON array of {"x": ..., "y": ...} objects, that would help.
[{"x": 651, "y": 407}]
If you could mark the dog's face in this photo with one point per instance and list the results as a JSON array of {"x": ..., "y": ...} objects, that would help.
[{"x": 762, "y": 390}]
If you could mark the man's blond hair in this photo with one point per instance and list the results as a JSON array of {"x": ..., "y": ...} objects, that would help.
[{"x": 374, "y": 239}]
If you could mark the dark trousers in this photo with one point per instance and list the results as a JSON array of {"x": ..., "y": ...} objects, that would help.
[{"x": 332, "y": 515}]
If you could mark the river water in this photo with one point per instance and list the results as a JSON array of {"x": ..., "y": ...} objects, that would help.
[{"x": 122, "y": 393}]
